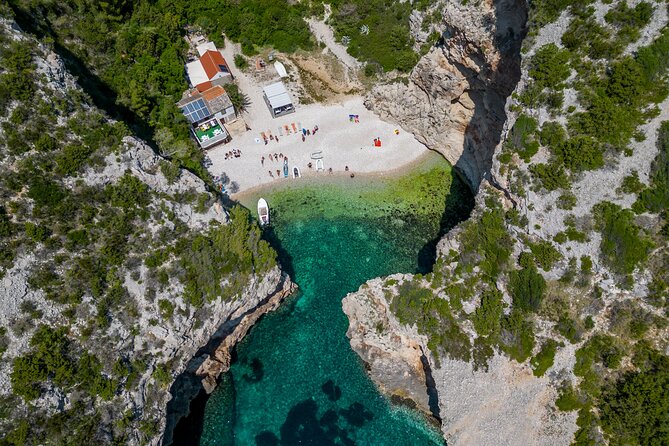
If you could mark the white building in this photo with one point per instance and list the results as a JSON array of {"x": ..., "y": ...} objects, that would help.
[{"x": 278, "y": 100}]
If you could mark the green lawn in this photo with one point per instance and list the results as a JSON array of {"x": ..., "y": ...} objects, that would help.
[{"x": 209, "y": 132}]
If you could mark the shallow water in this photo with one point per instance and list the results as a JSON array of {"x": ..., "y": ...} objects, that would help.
[{"x": 296, "y": 379}]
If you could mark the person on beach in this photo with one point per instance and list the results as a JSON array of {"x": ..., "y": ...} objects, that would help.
[
  {"x": 303, "y": 138},
  {"x": 281, "y": 155},
  {"x": 278, "y": 173},
  {"x": 262, "y": 160},
  {"x": 309, "y": 165},
  {"x": 346, "y": 168},
  {"x": 330, "y": 170},
  {"x": 270, "y": 174}
]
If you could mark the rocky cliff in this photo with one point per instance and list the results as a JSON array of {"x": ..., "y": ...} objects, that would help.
[
  {"x": 510, "y": 332},
  {"x": 118, "y": 269},
  {"x": 455, "y": 97}
]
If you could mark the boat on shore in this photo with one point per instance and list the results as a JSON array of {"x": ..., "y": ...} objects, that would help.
[
  {"x": 317, "y": 155},
  {"x": 263, "y": 212},
  {"x": 285, "y": 168},
  {"x": 296, "y": 172},
  {"x": 319, "y": 165}
]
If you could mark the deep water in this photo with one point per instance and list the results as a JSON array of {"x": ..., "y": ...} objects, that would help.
[{"x": 295, "y": 380}]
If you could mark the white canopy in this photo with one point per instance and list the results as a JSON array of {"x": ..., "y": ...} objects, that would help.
[{"x": 277, "y": 95}]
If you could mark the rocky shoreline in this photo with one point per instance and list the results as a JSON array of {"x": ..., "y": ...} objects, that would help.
[{"x": 208, "y": 363}]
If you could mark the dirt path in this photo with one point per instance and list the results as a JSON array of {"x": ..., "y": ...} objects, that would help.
[{"x": 324, "y": 33}]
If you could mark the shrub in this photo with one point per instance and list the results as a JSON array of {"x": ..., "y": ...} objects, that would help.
[
  {"x": 128, "y": 193},
  {"x": 656, "y": 197},
  {"x": 241, "y": 62},
  {"x": 545, "y": 254},
  {"x": 631, "y": 184},
  {"x": 522, "y": 137},
  {"x": 550, "y": 176},
  {"x": 72, "y": 158},
  {"x": 487, "y": 318},
  {"x": 568, "y": 399},
  {"x": 46, "y": 192},
  {"x": 549, "y": 66},
  {"x": 623, "y": 247},
  {"x": 527, "y": 287},
  {"x": 36, "y": 233},
  {"x": 170, "y": 170},
  {"x": 166, "y": 308},
  {"x": 543, "y": 360},
  {"x": 487, "y": 237},
  {"x": 517, "y": 337},
  {"x": 580, "y": 153},
  {"x": 634, "y": 408}
]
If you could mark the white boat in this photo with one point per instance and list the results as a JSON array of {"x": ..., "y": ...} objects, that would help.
[
  {"x": 296, "y": 172},
  {"x": 263, "y": 212},
  {"x": 317, "y": 155},
  {"x": 319, "y": 165}
]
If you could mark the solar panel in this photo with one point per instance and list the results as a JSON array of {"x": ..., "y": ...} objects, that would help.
[{"x": 196, "y": 111}]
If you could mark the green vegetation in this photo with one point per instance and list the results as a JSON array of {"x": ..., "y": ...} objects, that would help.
[
  {"x": 522, "y": 138},
  {"x": 656, "y": 197},
  {"x": 623, "y": 247},
  {"x": 52, "y": 359},
  {"x": 487, "y": 242},
  {"x": 527, "y": 287},
  {"x": 629, "y": 21},
  {"x": 549, "y": 67},
  {"x": 234, "y": 250},
  {"x": 417, "y": 305},
  {"x": 388, "y": 44},
  {"x": 87, "y": 239},
  {"x": 517, "y": 336},
  {"x": 545, "y": 254},
  {"x": 543, "y": 360}
]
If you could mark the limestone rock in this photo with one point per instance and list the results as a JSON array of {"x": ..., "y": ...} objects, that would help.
[{"x": 455, "y": 96}]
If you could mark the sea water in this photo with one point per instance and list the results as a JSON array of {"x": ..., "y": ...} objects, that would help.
[{"x": 295, "y": 380}]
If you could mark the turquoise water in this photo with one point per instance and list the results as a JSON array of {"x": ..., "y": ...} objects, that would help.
[{"x": 296, "y": 380}]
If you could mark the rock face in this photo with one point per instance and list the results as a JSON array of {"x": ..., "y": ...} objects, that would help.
[
  {"x": 505, "y": 404},
  {"x": 455, "y": 97},
  {"x": 391, "y": 350},
  {"x": 161, "y": 344}
]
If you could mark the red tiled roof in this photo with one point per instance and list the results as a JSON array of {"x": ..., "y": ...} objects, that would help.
[
  {"x": 203, "y": 86},
  {"x": 213, "y": 92},
  {"x": 210, "y": 61}
]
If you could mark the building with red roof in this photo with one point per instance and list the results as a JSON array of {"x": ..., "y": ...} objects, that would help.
[{"x": 210, "y": 69}]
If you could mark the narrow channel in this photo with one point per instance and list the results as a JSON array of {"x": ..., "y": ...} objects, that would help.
[{"x": 295, "y": 379}]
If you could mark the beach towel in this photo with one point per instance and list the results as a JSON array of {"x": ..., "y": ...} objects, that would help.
[{"x": 263, "y": 136}]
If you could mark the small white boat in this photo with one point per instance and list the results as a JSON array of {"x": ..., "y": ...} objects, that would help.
[
  {"x": 317, "y": 155},
  {"x": 263, "y": 212},
  {"x": 319, "y": 165},
  {"x": 296, "y": 172}
]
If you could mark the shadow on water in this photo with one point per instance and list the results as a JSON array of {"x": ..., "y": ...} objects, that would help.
[
  {"x": 459, "y": 204},
  {"x": 284, "y": 257}
]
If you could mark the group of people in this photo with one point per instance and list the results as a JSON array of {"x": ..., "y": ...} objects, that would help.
[
  {"x": 274, "y": 157},
  {"x": 234, "y": 153}
]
